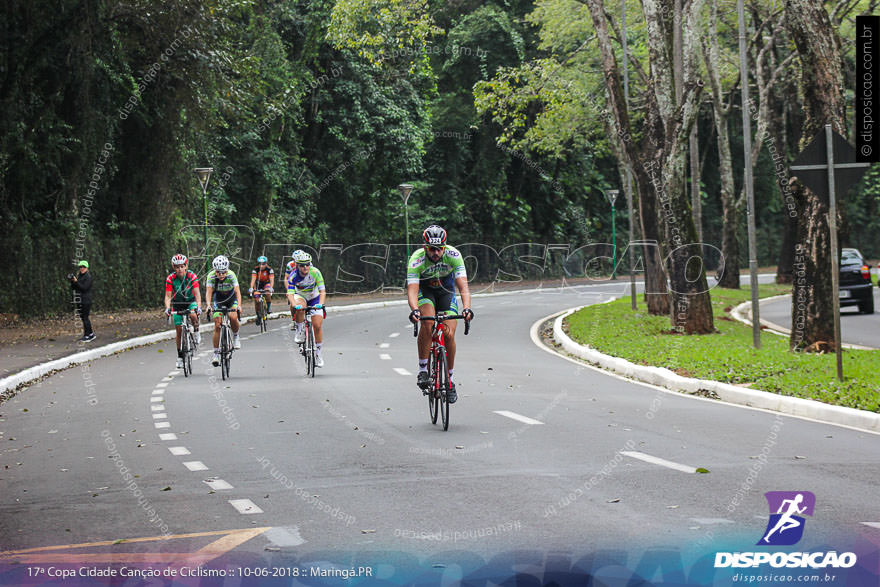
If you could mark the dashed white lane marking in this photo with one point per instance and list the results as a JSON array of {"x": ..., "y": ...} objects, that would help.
[
  {"x": 518, "y": 417},
  {"x": 385, "y": 357},
  {"x": 195, "y": 466},
  {"x": 245, "y": 506},
  {"x": 402, "y": 371},
  {"x": 158, "y": 392},
  {"x": 658, "y": 461},
  {"x": 160, "y": 416},
  {"x": 394, "y": 335},
  {"x": 384, "y": 345},
  {"x": 179, "y": 451},
  {"x": 162, "y": 424},
  {"x": 218, "y": 484},
  {"x": 163, "y": 384},
  {"x": 872, "y": 524},
  {"x": 168, "y": 436},
  {"x": 157, "y": 408},
  {"x": 171, "y": 375}
]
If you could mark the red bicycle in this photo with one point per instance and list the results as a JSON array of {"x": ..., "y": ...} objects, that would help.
[{"x": 438, "y": 366}]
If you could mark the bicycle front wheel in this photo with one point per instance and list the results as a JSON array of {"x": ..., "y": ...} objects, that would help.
[
  {"x": 185, "y": 351},
  {"x": 310, "y": 350},
  {"x": 443, "y": 387},
  {"x": 263, "y": 315},
  {"x": 225, "y": 349},
  {"x": 433, "y": 392}
]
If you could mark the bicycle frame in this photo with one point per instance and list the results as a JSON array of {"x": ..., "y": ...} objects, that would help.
[{"x": 439, "y": 366}]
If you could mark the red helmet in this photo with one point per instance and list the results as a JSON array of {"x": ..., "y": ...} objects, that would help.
[{"x": 434, "y": 236}]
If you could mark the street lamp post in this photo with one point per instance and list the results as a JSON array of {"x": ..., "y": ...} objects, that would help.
[
  {"x": 612, "y": 196},
  {"x": 204, "y": 174},
  {"x": 405, "y": 190}
]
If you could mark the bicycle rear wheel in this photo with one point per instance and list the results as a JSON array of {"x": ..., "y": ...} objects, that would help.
[
  {"x": 433, "y": 393},
  {"x": 443, "y": 379}
]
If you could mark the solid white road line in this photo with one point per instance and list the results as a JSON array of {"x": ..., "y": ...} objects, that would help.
[
  {"x": 168, "y": 436},
  {"x": 518, "y": 417},
  {"x": 402, "y": 371},
  {"x": 872, "y": 524},
  {"x": 161, "y": 416},
  {"x": 245, "y": 506},
  {"x": 385, "y": 357},
  {"x": 218, "y": 484},
  {"x": 179, "y": 451},
  {"x": 384, "y": 345},
  {"x": 195, "y": 466},
  {"x": 394, "y": 335},
  {"x": 658, "y": 461}
]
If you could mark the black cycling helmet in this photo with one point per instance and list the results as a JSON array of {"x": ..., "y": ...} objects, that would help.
[{"x": 434, "y": 236}]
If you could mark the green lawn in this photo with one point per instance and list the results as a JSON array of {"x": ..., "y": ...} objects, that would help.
[{"x": 728, "y": 355}]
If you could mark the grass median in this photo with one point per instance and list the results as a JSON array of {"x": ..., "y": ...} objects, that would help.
[{"x": 728, "y": 355}]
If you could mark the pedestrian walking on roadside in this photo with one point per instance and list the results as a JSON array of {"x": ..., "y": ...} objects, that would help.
[{"x": 81, "y": 283}]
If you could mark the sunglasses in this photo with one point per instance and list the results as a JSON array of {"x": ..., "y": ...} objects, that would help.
[
  {"x": 303, "y": 264},
  {"x": 222, "y": 272},
  {"x": 435, "y": 249}
]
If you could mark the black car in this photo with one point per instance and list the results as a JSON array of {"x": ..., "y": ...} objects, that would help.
[{"x": 856, "y": 288}]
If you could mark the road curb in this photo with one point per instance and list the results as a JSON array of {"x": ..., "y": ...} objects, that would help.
[
  {"x": 743, "y": 313},
  {"x": 22, "y": 378},
  {"x": 794, "y": 406}
]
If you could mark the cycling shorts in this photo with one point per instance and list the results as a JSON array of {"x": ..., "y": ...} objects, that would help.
[
  {"x": 230, "y": 303},
  {"x": 441, "y": 298},
  {"x": 178, "y": 319}
]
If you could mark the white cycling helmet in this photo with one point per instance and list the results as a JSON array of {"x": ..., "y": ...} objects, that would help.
[
  {"x": 178, "y": 259},
  {"x": 303, "y": 258},
  {"x": 220, "y": 263}
]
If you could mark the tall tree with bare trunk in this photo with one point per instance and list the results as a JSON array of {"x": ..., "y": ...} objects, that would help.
[{"x": 822, "y": 86}]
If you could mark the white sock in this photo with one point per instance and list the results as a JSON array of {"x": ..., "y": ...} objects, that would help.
[
  {"x": 423, "y": 365},
  {"x": 450, "y": 374},
  {"x": 216, "y": 351},
  {"x": 318, "y": 346}
]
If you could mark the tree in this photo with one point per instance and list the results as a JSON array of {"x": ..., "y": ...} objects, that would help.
[{"x": 822, "y": 86}]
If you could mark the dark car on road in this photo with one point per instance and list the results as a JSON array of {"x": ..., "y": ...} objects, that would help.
[{"x": 856, "y": 288}]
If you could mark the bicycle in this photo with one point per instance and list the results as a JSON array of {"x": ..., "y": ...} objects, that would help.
[
  {"x": 262, "y": 311},
  {"x": 307, "y": 347},
  {"x": 187, "y": 340},
  {"x": 226, "y": 347},
  {"x": 438, "y": 367}
]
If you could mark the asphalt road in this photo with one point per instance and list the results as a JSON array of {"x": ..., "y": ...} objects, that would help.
[
  {"x": 347, "y": 469},
  {"x": 855, "y": 328}
]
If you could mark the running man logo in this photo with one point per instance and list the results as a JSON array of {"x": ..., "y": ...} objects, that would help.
[{"x": 786, "y": 526}]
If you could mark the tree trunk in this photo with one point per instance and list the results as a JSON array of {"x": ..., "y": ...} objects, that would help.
[
  {"x": 721, "y": 115},
  {"x": 656, "y": 291},
  {"x": 822, "y": 87}
]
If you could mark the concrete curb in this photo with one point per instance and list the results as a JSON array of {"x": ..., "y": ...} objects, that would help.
[
  {"x": 743, "y": 313},
  {"x": 811, "y": 409},
  {"x": 13, "y": 382}
]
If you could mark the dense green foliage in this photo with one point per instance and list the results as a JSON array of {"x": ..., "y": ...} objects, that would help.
[
  {"x": 729, "y": 356},
  {"x": 311, "y": 113}
]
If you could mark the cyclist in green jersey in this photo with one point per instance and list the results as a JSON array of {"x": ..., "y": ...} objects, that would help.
[
  {"x": 182, "y": 293},
  {"x": 222, "y": 290},
  {"x": 305, "y": 289},
  {"x": 432, "y": 276}
]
